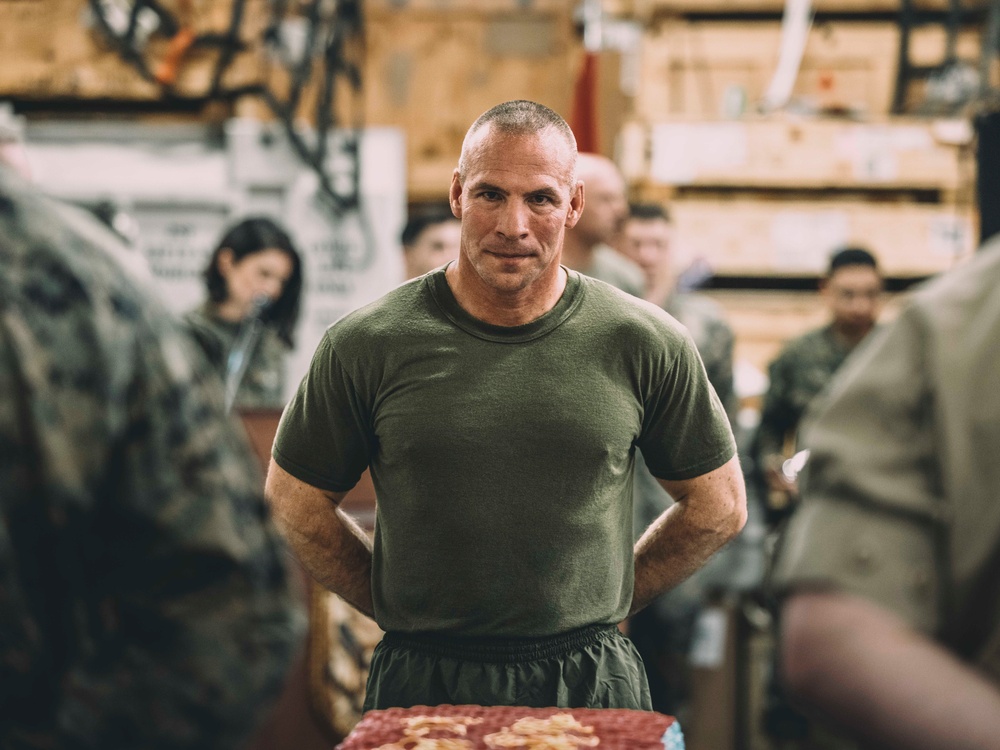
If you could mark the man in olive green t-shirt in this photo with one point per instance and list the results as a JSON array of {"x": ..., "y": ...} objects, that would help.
[{"x": 499, "y": 403}]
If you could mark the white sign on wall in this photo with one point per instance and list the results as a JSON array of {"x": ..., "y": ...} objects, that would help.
[{"x": 353, "y": 259}]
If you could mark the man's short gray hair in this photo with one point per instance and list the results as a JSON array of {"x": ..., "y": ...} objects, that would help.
[{"x": 520, "y": 117}]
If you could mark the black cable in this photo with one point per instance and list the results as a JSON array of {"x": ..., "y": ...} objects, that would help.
[
  {"x": 343, "y": 27},
  {"x": 230, "y": 46},
  {"x": 127, "y": 52}
]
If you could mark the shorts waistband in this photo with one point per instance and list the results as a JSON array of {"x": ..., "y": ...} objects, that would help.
[{"x": 500, "y": 650}]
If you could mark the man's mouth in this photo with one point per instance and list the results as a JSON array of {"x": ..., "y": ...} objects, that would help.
[{"x": 509, "y": 254}]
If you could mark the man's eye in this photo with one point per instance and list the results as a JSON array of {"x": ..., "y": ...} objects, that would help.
[
  {"x": 540, "y": 199},
  {"x": 490, "y": 195}
]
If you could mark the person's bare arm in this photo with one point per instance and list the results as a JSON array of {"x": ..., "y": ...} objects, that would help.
[
  {"x": 330, "y": 544},
  {"x": 864, "y": 668},
  {"x": 708, "y": 511}
]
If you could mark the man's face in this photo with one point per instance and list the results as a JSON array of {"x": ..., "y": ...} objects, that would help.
[
  {"x": 516, "y": 202},
  {"x": 647, "y": 244},
  {"x": 607, "y": 206},
  {"x": 854, "y": 296},
  {"x": 433, "y": 247}
]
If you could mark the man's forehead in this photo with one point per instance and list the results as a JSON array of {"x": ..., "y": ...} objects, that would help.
[
  {"x": 647, "y": 225},
  {"x": 544, "y": 153},
  {"x": 855, "y": 274}
]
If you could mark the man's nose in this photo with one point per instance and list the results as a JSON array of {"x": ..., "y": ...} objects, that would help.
[{"x": 513, "y": 220}]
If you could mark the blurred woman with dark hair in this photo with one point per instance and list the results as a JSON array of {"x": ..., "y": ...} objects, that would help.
[{"x": 246, "y": 326}]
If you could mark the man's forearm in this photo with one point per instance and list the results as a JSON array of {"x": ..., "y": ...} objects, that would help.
[
  {"x": 339, "y": 556},
  {"x": 331, "y": 546},
  {"x": 864, "y": 668},
  {"x": 688, "y": 533}
]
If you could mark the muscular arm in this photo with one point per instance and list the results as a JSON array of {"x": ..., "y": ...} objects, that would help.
[
  {"x": 865, "y": 668},
  {"x": 330, "y": 545},
  {"x": 708, "y": 511}
]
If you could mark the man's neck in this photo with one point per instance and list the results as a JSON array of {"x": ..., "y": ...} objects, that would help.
[
  {"x": 506, "y": 309},
  {"x": 849, "y": 337},
  {"x": 577, "y": 253}
]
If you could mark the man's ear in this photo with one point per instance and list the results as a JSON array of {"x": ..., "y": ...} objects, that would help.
[
  {"x": 455, "y": 195},
  {"x": 576, "y": 202}
]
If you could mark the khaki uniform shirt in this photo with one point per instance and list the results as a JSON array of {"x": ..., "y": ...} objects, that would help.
[{"x": 901, "y": 496}]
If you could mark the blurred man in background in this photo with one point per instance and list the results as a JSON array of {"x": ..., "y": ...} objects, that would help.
[
  {"x": 588, "y": 246},
  {"x": 852, "y": 291},
  {"x": 430, "y": 239},
  {"x": 891, "y": 626}
]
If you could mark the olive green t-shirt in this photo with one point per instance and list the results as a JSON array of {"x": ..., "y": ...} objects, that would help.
[{"x": 502, "y": 457}]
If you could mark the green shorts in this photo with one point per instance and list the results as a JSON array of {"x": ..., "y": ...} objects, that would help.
[{"x": 593, "y": 667}]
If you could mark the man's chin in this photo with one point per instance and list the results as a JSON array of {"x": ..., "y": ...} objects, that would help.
[{"x": 508, "y": 280}]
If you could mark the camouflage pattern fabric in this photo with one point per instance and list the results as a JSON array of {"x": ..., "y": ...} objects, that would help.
[
  {"x": 145, "y": 597},
  {"x": 707, "y": 325},
  {"x": 263, "y": 384},
  {"x": 797, "y": 375}
]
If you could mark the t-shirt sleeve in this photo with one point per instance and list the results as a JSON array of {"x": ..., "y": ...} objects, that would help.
[
  {"x": 325, "y": 436},
  {"x": 685, "y": 430},
  {"x": 871, "y": 495}
]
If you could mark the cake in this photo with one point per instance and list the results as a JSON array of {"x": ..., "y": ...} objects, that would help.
[{"x": 513, "y": 727}]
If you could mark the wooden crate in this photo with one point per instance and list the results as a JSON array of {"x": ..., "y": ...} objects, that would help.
[
  {"x": 48, "y": 51},
  {"x": 754, "y": 237},
  {"x": 646, "y": 8},
  {"x": 784, "y": 152},
  {"x": 433, "y": 74},
  {"x": 374, "y": 8},
  {"x": 709, "y": 69}
]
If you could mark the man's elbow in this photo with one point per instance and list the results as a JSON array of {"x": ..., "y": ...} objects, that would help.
[
  {"x": 736, "y": 514},
  {"x": 738, "y": 518}
]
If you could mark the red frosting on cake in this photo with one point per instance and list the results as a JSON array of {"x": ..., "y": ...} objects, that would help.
[{"x": 615, "y": 729}]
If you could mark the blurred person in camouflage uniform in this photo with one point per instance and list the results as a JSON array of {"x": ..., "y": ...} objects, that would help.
[
  {"x": 254, "y": 284},
  {"x": 852, "y": 290},
  {"x": 663, "y": 632},
  {"x": 145, "y": 597}
]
